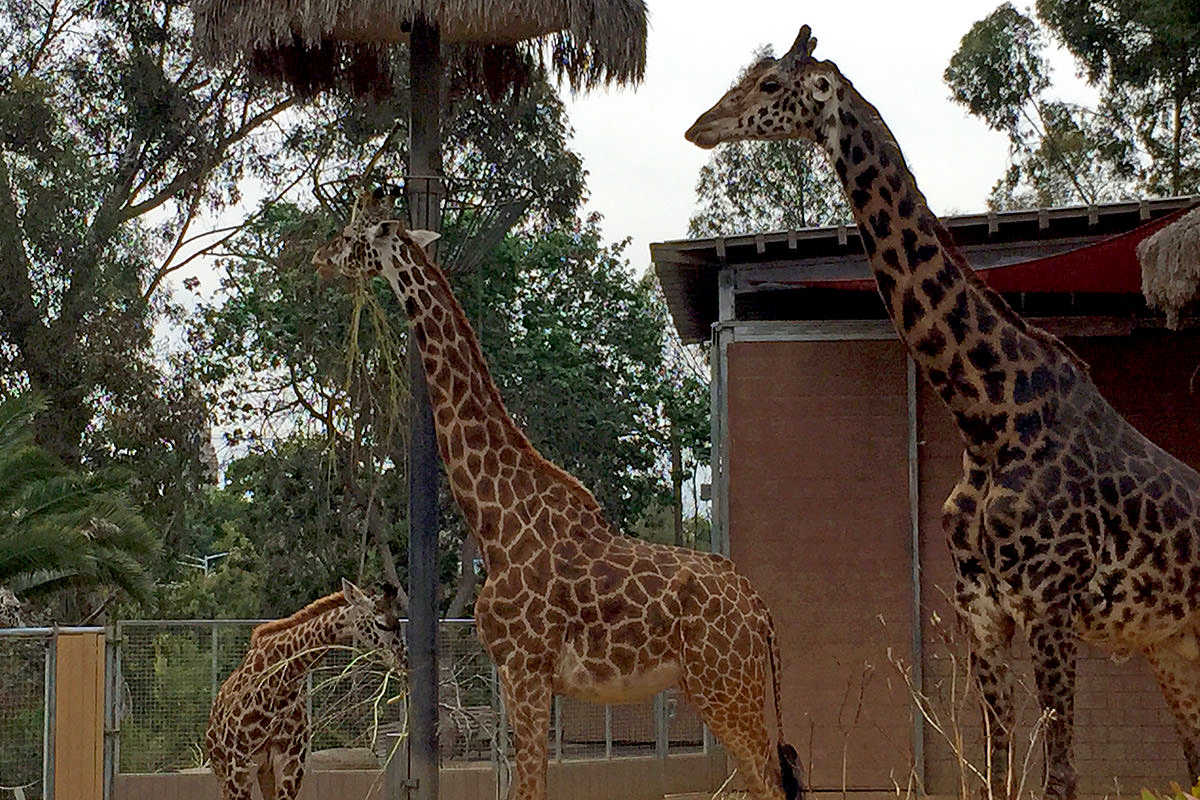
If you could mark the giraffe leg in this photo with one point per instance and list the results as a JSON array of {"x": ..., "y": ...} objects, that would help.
[
  {"x": 287, "y": 766},
  {"x": 1054, "y": 653},
  {"x": 744, "y": 735},
  {"x": 237, "y": 782},
  {"x": 527, "y": 700},
  {"x": 266, "y": 778},
  {"x": 989, "y": 667},
  {"x": 1178, "y": 675}
]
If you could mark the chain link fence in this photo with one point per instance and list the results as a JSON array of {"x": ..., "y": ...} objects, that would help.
[
  {"x": 169, "y": 671},
  {"x": 26, "y": 716}
]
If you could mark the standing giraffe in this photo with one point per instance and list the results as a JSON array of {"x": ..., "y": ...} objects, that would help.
[
  {"x": 570, "y": 606},
  {"x": 258, "y": 726},
  {"x": 1066, "y": 522}
]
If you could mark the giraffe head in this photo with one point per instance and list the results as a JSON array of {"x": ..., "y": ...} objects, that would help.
[
  {"x": 373, "y": 623},
  {"x": 371, "y": 242},
  {"x": 790, "y": 97}
]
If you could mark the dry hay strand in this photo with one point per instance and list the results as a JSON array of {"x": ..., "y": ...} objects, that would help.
[{"x": 1170, "y": 261}]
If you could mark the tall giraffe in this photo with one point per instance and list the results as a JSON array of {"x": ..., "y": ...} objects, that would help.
[
  {"x": 1067, "y": 522},
  {"x": 570, "y": 606},
  {"x": 258, "y": 726}
]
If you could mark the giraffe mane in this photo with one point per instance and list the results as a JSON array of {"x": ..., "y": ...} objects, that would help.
[
  {"x": 887, "y": 140},
  {"x": 314, "y": 609}
]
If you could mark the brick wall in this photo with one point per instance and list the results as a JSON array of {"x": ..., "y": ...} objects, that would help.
[{"x": 819, "y": 521}]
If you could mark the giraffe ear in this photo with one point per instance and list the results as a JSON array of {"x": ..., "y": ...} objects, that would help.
[
  {"x": 354, "y": 595},
  {"x": 424, "y": 238}
]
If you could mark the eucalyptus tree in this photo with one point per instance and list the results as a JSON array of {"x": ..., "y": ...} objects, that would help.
[
  {"x": 1139, "y": 138},
  {"x": 114, "y": 139}
]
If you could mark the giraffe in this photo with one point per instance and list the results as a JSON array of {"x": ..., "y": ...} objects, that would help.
[
  {"x": 1067, "y": 523},
  {"x": 258, "y": 726},
  {"x": 570, "y": 606}
]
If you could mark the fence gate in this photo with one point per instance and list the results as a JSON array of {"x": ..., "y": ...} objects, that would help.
[{"x": 51, "y": 713}]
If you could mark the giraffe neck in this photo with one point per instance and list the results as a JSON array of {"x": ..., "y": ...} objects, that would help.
[
  {"x": 992, "y": 369},
  {"x": 294, "y": 645},
  {"x": 491, "y": 463}
]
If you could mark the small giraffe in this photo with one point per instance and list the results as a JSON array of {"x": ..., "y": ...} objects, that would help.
[
  {"x": 569, "y": 605},
  {"x": 258, "y": 726},
  {"x": 1067, "y": 523}
]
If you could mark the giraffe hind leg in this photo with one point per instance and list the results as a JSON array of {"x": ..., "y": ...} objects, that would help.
[{"x": 1177, "y": 669}]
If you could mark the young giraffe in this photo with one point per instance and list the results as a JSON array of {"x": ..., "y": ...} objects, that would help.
[
  {"x": 570, "y": 606},
  {"x": 1066, "y": 520},
  {"x": 258, "y": 726}
]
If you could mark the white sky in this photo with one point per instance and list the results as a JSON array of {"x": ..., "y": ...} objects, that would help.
[{"x": 642, "y": 173}]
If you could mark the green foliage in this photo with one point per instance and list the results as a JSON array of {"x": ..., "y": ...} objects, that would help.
[
  {"x": 105, "y": 118},
  {"x": 1175, "y": 792},
  {"x": 63, "y": 529},
  {"x": 760, "y": 186},
  {"x": 577, "y": 347},
  {"x": 1141, "y": 138}
]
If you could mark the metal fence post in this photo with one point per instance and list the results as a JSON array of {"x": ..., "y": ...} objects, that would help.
[
  {"x": 660, "y": 725},
  {"x": 607, "y": 732},
  {"x": 558, "y": 737},
  {"x": 112, "y": 719},
  {"x": 49, "y": 716},
  {"x": 213, "y": 647}
]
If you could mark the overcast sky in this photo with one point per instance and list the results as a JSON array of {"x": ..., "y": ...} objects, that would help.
[{"x": 642, "y": 173}]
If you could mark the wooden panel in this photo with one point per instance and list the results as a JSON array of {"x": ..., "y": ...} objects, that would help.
[
  {"x": 818, "y": 520},
  {"x": 1124, "y": 735},
  {"x": 79, "y": 716}
]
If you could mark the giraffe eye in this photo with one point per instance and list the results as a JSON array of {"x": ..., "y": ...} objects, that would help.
[{"x": 770, "y": 86}]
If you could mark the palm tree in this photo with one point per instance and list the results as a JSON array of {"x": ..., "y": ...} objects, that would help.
[{"x": 63, "y": 533}]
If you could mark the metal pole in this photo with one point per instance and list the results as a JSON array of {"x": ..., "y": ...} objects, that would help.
[
  {"x": 426, "y": 68},
  {"x": 212, "y": 646},
  {"x": 914, "y": 508},
  {"x": 50, "y": 716}
]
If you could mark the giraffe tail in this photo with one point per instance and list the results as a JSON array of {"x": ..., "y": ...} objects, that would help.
[{"x": 790, "y": 772}]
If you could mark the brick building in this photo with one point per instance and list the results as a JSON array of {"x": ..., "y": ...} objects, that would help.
[{"x": 832, "y": 458}]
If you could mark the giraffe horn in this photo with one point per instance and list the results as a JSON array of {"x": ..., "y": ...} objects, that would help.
[{"x": 804, "y": 45}]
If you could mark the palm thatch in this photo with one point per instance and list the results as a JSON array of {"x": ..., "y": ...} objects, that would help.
[
  {"x": 1170, "y": 261},
  {"x": 587, "y": 42}
]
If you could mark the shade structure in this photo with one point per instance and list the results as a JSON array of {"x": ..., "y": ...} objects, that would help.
[
  {"x": 587, "y": 42},
  {"x": 1170, "y": 261}
]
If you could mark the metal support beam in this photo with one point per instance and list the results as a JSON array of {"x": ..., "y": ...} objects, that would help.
[
  {"x": 426, "y": 72},
  {"x": 914, "y": 510}
]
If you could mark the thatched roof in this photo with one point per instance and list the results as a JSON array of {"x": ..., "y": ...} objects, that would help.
[
  {"x": 589, "y": 42},
  {"x": 1170, "y": 260}
]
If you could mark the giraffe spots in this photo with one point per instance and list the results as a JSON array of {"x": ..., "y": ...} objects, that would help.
[
  {"x": 839, "y": 166},
  {"x": 932, "y": 344},
  {"x": 982, "y": 356},
  {"x": 859, "y": 198},
  {"x": 906, "y": 207},
  {"x": 911, "y": 310},
  {"x": 994, "y": 385},
  {"x": 881, "y": 224},
  {"x": 957, "y": 318},
  {"x": 868, "y": 140},
  {"x": 934, "y": 291}
]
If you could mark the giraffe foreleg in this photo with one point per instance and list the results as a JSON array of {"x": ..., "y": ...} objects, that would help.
[
  {"x": 527, "y": 699},
  {"x": 1054, "y": 655}
]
